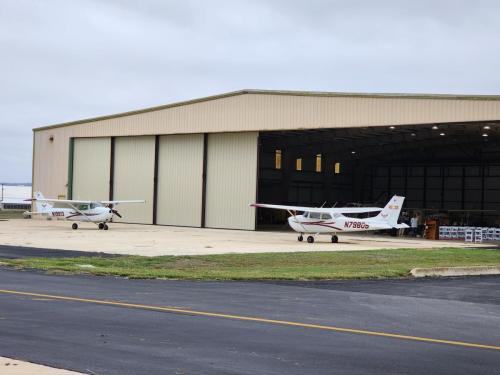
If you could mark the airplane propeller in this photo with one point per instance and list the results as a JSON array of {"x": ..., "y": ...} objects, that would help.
[{"x": 115, "y": 212}]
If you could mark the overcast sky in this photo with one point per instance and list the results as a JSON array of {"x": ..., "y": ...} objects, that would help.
[{"x": 66, "y": 60}]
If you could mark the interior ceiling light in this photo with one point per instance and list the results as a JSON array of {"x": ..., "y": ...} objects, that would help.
[
  {"x": 392, "y": 127},
  {"x": 413, "y": 135},
  {"x": 442, "y": 134},
  {"x": 435, "y": 127},
  {"x": 486, "y": 127},
  {"x": 353, "y": 152},
  {"x": 485, "y": 134}
]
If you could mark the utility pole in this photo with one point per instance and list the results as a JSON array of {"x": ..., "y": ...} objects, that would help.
[{"x": 2, "y": 194}]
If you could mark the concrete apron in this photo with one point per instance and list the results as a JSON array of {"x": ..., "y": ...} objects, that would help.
[
  {"x": 153, "y": 240},
  {"x": 15, "y": 367}
]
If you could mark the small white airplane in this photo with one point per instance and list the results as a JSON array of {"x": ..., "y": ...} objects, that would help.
[
  {"x": 97, "y": 212},
  {"x": 329, "y": 221}
]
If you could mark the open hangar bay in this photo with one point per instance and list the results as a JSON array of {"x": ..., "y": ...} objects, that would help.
[{"x": 200, "y": 163}]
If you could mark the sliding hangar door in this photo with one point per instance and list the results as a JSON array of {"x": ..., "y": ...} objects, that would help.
[
  {"x": 90, "y": 169},
  {"x": 133, "y": 177},
  {"x": 197, "y": 180}
]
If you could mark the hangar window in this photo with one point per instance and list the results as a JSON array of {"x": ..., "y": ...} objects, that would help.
[
  {"x": 277, "y": 159},
  {"x": 298, "y": 164},
  {"x": 337, "y": 168},
  {"x": 318, "y": 163}
]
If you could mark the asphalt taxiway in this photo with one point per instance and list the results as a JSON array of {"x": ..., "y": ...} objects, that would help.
[{"x": 101, "y": 325}]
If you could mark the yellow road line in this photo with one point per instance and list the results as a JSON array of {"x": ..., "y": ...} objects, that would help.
[{"x": 252, "y": 319}]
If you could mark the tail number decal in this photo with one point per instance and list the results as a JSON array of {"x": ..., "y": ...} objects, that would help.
[
  {"x": 356, "y": 225},
  {"x": 57, "y": 213}
]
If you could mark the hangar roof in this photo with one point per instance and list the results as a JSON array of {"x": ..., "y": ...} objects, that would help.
[{"x": 310, "y": 94}]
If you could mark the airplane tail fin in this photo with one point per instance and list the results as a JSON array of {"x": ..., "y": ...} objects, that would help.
[
  {"x": 390, "y": 213},
  {"x": 41, "y": 207}
]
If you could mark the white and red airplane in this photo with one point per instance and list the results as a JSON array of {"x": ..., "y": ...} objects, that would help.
[
  {"x": 330, "y": 221},
  {"x": 97, "y": 212}
]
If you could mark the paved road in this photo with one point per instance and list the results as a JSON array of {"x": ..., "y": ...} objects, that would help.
[{"x": 105, "y": 339}]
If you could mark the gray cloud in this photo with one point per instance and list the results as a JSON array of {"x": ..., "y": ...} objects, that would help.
[{"x": 66, "y": 60}]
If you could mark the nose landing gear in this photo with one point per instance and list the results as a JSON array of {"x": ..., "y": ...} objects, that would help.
[
  {"x": 103, "y": 226},
  {"x": 300, "y": 238}
]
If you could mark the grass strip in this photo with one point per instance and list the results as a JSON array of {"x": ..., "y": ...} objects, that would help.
[{"x": 391, "y": 263}]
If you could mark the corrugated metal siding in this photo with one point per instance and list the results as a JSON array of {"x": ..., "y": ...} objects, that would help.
[
  {"x": 231, "y": 180},
  {"x": 180, "y": 179},
  {"x": 91, "y": 165},
  {"x": 50, "y": 162},
  {"x": 134, "y": 177},
  {"x": 254, "y": 112}
]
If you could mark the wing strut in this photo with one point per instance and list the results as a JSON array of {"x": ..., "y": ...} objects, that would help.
[{"x": 82, "y": 213}]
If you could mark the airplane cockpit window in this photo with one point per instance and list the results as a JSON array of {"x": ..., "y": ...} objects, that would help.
[
  {"x": 314, "y": 215},
  {"x": 326, "y": 216},
  {"x": 83, "y": 207},
  {"x": 305, "y": 214},
  {"x": 337, "y": 215},
  {"x": 92, "y": 206}
]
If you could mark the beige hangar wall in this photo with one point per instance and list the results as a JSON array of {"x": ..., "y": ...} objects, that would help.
[
  {"x": 133, "y": 177},
  {"x": 253, "y": 110},
  {"x": 231, "y": 180},
  {"x": 91, "y": 167}
]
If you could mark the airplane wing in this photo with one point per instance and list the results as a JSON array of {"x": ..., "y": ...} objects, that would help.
[
  {"x": 67, "y": 201},
  {"x": 342, "y": 210},
  {"x": 71, "y": 202},
  {"x": 118, "y": 202}
]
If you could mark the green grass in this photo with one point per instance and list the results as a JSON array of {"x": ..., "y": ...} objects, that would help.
[{"x": 289, "y": 266}]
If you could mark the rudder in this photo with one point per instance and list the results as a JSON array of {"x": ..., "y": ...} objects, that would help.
[
  {"x": 41, "y": 207},
  {"x": 390, "y": 213}
]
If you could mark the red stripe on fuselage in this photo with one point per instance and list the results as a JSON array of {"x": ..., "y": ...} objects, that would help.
[{"x": 320, "y": 223}]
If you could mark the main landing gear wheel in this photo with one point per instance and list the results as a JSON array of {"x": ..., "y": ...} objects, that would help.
[
  {"x": 300, "y": 238},
  {"x": 101, "y": 225},
  {"x": 74, "y": 226},
  {"x": 106, "y": 227},
  {"x": 310, "y": 239},
  {"x": 335, "y": 239}
]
